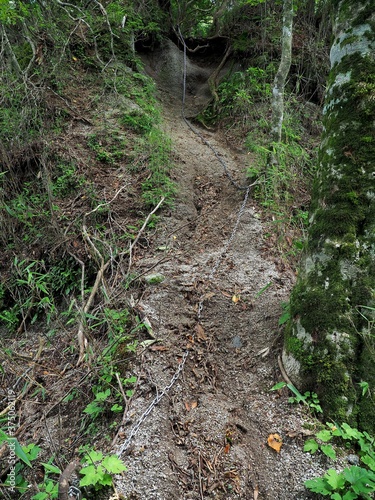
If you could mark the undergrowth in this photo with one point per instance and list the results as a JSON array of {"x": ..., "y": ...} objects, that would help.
[
  {"x": 283, "y": 184},
  {"x": 83, "y": 163},
  {"x": 333, "y": 440}
]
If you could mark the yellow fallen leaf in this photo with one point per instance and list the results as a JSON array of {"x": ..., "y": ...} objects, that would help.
[
  {"x": 235, "y": 299},
  {"x": 275, "y": 442},
  {"x": 74, "y": 58},
  {"x": 190, "y": 405}
]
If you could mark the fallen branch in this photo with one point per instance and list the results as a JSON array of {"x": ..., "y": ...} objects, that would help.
[
  {"x": 65, "y": 478},
  {"x": 82, "y": 340},
  {"x": 132, "y": 245},
  {"x": 126, "y": 409},
  {"x": 101, "y": 205}
]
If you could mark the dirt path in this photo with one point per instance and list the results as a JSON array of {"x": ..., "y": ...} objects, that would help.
[{"x": 207, "y": 438}]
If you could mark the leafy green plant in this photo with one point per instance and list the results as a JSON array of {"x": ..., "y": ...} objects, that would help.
[
  {"x": 49, "y": 489},
  {"x": 239, "y": 92},
  {"x": 35, "y": 284},
  {"x": 285, "y": 316},
  {"x": 158, "y": 184},
  {"x": 20, "y": 452},
  {"x": 97, "y": 469},
  {"x": 26, "y": 455},
  {"x": 96, "y": 407},
  {"x": 364, "y": 386},
  {"x": 138, "y": 121},
  {"x": 10, "y": 317},
  {"x": 353, "y": 482},
  {"x": 101, "y": 152},
  {"x": 309, "y": 398},
  {"x": 26, "y": 211},
  {"x": 66, "y": 179},
  {"x": 322, "y": 437}
]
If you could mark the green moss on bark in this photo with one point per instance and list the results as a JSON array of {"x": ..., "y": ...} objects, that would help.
[{"x": 326, "y": 336}]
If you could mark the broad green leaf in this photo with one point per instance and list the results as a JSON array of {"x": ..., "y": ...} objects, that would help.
[
  {"x": 51, "y": 486},
  {"x": 284, "y": 318},
  {"x": 91, "y": 475},
  {"x": 311, "y": 445},
  {"x": 102, "y": 396},
  {"x": 324, "y": 435},
  {"x": 116, "y": 408},
  {"x": 335, "y": 429},
  {"x": 328, "y": 451},
  {"x": 365, "y": 445},
  {"x": 94, "y": 456},
  {"x": 350, "y": 433},
  {"x": 113, "y": 464},
  {"x": 336, "y": 496},
  {"x": 106, "y": 480},
  {"x": 350, "y": 495},
  {"x": 18, "y": 450},
  {"x": 278, "y": 386},
  {"x": 3, "y": 436},
  {"x": 364, "y": 386},
  {"x": 337, "y": 481},
  {"x": 368, "y": 437},
  {"x": 40, "y": 496},
  {"x": 362, "y": 480},
  {"x": 318, "y": 485},
  {"x": 295, "y": 391},
  {"x": 369, "y": 461},
  {"x": 51, "y": 468},
  {"x": 32, "y": 450},
  {"x": 93, "y": 409},
  {"x": 299, "y": 397}
]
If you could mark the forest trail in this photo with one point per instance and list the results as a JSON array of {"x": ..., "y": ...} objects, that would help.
[{"x": 207, "y": 437}]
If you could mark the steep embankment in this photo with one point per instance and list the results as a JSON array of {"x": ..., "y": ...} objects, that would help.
[{"x": 207, "y": 437}]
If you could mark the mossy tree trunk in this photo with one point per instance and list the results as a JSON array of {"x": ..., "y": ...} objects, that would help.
[
  {"x": 282, "y": 72},
  {"x": 330, "y": 341}
]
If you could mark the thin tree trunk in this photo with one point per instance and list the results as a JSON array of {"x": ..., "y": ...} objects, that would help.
[
  {"x": 282, "y": 72},
  {"x": 213, "y": 79}
]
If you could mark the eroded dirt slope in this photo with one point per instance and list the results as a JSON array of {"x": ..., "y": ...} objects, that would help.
[{"x": 207, "y": 438}]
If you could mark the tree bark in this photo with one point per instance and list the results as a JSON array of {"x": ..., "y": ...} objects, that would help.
[
  {"x": 330, "y": 341},
  {"x": 282, "y": 72}
]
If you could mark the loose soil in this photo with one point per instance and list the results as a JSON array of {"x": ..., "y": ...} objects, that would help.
[{"x": 207, "y": 438}]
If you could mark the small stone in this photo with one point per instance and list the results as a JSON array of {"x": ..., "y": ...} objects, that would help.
[
  {"x": 237, "y": 342},
  {"x": 353, "y": 459}
]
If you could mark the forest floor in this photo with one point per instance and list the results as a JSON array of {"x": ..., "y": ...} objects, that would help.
[{"x": 213, "y": 312}]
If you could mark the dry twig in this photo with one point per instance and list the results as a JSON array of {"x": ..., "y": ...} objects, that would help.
[{"x": 132, "y": 245}]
